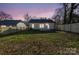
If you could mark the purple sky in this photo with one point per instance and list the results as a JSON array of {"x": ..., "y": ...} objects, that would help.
[{"x": 18, "y": 10}]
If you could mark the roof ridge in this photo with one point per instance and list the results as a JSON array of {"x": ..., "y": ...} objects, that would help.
[{"x": 41, "y": 21}]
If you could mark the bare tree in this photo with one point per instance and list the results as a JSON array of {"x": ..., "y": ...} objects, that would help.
[
  {"x": 73, "y": 6},
  {"x": 58, "y": 15},
  {"x": 65, "y": 5},
  {"x": 4, "y": 16},
  {"x": 68, "y": 11},
  {"x": 27, "y": 17}
]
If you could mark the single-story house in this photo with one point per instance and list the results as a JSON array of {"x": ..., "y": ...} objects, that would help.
[
  {"x": 42, "y": 24},
  {"x": 22, "y": 25},
  {"x": 12, "y": 24}
]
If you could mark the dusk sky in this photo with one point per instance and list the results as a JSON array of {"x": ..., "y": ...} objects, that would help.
[{"x": 18, "y": 10}]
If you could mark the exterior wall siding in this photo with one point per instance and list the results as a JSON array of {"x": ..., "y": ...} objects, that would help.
[{"x": 37, "y": 26}]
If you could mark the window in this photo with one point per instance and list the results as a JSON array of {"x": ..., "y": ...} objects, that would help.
[
  {"x": 32, "y": 25},
  {"x": 47, "y": 25},
  {"x": 41, "y": 25}
]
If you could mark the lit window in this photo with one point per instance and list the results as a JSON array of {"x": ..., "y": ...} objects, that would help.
[
  {"x": 32, "y": 25},
  {"x": 41, "y": 25},
  {"x": 47, "y": 25}
]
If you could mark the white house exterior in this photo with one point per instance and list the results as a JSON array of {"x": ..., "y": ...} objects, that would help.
[
  {"x": 42, "y": 24},
  {"x": 21, "y": 26},
  {"x": 12, "y": 24}
]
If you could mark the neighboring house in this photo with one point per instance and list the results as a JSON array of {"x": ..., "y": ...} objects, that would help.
[
  {"x": 42, "y": 24},
  {"x": 22, "y": 26},
  {"x": 11, "y": 24}
]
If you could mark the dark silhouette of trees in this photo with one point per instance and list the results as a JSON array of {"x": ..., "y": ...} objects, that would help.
[
  {"x": 73, "y": 6},
  {"x": 5, "y": 16},
  {"x": 27, "y": 17},
  {"x": 65, "y": 7},
  {"x": 58, "y": 15},
  {"x": 68, "y": 12}
]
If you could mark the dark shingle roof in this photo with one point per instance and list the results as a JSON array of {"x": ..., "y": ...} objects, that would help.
[
  {"x": 9, "y": 22},
  {"x": 41, "y": 21}
]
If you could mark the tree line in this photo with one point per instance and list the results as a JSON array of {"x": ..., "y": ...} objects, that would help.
[
  {"x": 6, "y": 16},
  {"x": 67, "y": 14}
]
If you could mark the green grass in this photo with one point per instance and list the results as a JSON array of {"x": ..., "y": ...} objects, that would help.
[{"x": 33, "y": 43}]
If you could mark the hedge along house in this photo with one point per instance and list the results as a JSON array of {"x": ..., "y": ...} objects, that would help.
[
  {"x": 42, "y": 24},
  {"x": 11, "y": 24}
]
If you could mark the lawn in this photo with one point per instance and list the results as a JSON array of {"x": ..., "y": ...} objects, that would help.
[{"x": 36, "y": 43}]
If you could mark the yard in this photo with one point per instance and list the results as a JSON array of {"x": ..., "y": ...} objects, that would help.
[{"x": 36, "y": 43}]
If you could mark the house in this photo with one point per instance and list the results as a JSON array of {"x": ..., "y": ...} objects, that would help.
[
  {"x": 22, "y": 25},
  {"x": 42, "y": 24},
  {"x": 11, "y": 24}
]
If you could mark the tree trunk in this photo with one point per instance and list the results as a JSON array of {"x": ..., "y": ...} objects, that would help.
[
  {"x": 65, "y": 15},
  {"x": 71, "y": 13}
]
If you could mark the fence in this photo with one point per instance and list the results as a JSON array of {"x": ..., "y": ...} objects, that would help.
[{"x": 69, "y": 27}]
